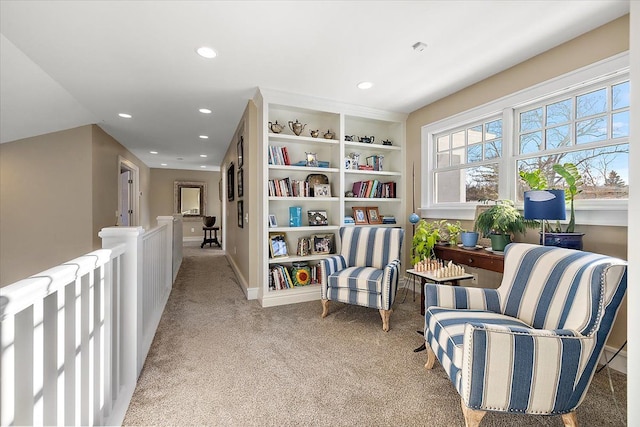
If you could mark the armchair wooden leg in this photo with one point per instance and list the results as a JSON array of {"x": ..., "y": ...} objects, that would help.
[
  {"x": 385, "y": 314},
  {"x": 570, "y": 419},
  {"x": 431, "y": 357},
  {"x": 472, "y": 417},
  {"x": 325, "y": 308}
]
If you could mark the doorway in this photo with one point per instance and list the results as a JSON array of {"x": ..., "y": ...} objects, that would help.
[{"x": 127, "y": 193}]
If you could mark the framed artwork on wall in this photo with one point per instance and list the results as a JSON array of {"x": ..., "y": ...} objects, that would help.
[
  {"x": 240, "y": 214},
  {"x": 230, "y": 178},
  {"x": 240, "y": 152},
  {"x": 240, "y": 183}
]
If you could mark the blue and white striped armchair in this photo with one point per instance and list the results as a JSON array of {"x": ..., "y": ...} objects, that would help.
[
  {"x": 532, "y": 345},
  {"x": 366, "y": 272}
]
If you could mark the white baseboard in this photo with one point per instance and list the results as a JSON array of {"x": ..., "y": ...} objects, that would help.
[
  {"x": 249, "y": 292},
  {"x": 620, "y": 361},
  {"x": 192, "y": 239}
]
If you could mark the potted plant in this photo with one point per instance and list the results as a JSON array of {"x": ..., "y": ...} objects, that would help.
[
  {"x": 572, "y": 183},
  {"x": 500, "y": 221},
  {"x": 425, "y": 237},
  {"x": 453, "y": 231}
]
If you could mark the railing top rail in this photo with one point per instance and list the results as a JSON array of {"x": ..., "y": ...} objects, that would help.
[
  {"x": 153, "y": 231},
  {"x": 23, "y": 293}
]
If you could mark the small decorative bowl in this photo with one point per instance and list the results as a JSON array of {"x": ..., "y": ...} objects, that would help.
[{"x": 209, "y": 221}]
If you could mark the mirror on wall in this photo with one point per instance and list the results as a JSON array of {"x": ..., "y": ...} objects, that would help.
[{"x": 190, "y": 198}]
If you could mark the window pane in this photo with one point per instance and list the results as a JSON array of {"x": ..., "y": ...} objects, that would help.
[
  {"x": 457, "y": 156},
  {"x": 474, "y": 153},
  {"x": 457, "y": 139},
  {"x": 620, "y": 96},
  {"x": 493, "y": 149},
  {"x": 620, "y": 124},
  {"x": 559, "y": 136},
  {"x": 592, "y": 103},
  {"x": 474, "y": 134},
  {"x": 591, "y": 130},
  {"x": 605, "y": 171},
  {"x": 493, "y": 130},
  {"x": 530, "y": 142},
  {"x": 560, "y": 112},
  {"x": 443, "y": 143},
  {"x": 531, "y": 120},
  {"x": 443, "y": 160},
  {"x": 449, "y": 186},
  {"x": 481, "y": 183}
]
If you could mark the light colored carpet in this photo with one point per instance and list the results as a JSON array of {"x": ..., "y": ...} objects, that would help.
[{"x": 220, "y": 360}]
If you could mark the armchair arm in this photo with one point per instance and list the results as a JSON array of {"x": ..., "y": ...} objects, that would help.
[
  {"x": 459, "y": 297},
  {"x": 329, "y": 266},
  {"x": 391, "y": 274},
  {"x": 524, "y": 370}
]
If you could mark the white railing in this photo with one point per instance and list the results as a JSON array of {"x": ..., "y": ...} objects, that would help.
[{"x": 74, "y": 337}]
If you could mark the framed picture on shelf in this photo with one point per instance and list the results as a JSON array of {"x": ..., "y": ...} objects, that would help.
[
  {"x": 360, "y": 215},
  {"x": 240, "y": 214},
  {"x": 240, "y": 183},
  {"x": 373, "y": 215},
  {"x": 317, "y": 217},
  {"x": 322, "y": 243},
  {"x": 312, "y": 160},
  {"x": 273, "y": 222},
  {"x": 322, "y": 190},
  {"x": 278, "y": 245},
  {"x": 240, "y": 152},
  {"x": 230, "y": 177}
]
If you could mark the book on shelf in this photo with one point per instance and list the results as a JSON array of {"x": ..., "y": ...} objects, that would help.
[
  {"x": 278, "y": 156},
  {"x": 286, "y": 187},
  {"x": 388, "y": 219},
  {"x": 374, "y": 189},
  {"x": 280, "y": 277}
]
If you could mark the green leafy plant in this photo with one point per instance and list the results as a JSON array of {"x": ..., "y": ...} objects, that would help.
[
  {"x": 502, "y": 218},
  {"x": 573, "y": 180},
  {"x": 425, "y": 237},
  {"x": 534, "y": 179},
  {"x": 453, "y": 231}
]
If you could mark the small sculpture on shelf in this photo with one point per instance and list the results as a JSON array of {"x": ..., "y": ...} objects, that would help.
[
  {"x": 387, "y": 142},
  {"x": 329, "y": 134},
  {"x": 276, "y": 127},
  {"x": 296, "y": 127},
  {"x": 367, "y": 139},
  {"x": 314, "y": 133},
  {"x": 350, "y": 138}
]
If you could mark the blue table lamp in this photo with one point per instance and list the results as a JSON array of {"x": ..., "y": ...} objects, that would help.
[{"x": 544, "y": 205}]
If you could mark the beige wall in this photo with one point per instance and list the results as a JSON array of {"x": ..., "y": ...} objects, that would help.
[
  {"x": 106, "y": 152},
  {"x": 242, "y": 244},
  {"x": 56, "y": 192},
  {"x": 161, "y": 197},
  {"x": 599, "y": 44}
]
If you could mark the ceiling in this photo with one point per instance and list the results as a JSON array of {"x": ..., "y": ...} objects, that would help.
[{"x": 65, "y": 64}]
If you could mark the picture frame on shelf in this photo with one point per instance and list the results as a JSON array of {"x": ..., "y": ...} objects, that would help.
[
  {"x": 240, "y": 182},
  {"x": 373, "y": 215},
  {"x": 240, "y": 148},
  {"x": 240, "y": 214},
  {"x": 317, "y": 217},
  {"x": 273, "y": 221},
  {"x": 360, "y": 215},
  {"x": 322, "y": 244},
  {"x": 312, "y": 160},
  {"x": 322, "y": 190},
  {"x": 230, "y": 178},
  {"x": 278, "y": 245}
]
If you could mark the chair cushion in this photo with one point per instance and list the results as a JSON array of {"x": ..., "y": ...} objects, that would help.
[
  {"x": 358, "y": 278},
  {"x": 444, "y": 332}
]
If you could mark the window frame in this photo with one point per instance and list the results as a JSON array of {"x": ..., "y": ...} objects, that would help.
[{"x": 590, "y": 212}]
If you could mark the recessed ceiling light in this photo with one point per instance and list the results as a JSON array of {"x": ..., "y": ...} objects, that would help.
[
  {"x": 203, "y": 155},
  {"x": 163, "y": 164},
  {"x": 206, "y": 52},
  {"x": 419, "y": 46},
  {"x": 125, "y": 115},
  {"x": 153, "y": 152},
  {"x": 205, "y": 111},
  {"x": 179, "y": 158},
  {"x": 204, "y": 137},
  {"x": 203, "y": 166},
  {"x": 365, "y": 85}
]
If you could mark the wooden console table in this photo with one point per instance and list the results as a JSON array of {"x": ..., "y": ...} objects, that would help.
[{"x": 479, "y": 258}]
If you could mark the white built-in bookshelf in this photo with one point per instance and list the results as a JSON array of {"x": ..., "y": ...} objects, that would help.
[{"x": 284, "y": 174}]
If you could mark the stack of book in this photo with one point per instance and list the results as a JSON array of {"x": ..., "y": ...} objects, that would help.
[
  {"x": 374, "y": 188},
  {"x": 388, "y": 219},
  {"x": 288, "y": 188},
  {"x": 278, "y": 156},
  {"x": 280, "y": 277}
]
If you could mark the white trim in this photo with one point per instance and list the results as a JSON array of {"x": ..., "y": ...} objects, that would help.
[
  {"x": 619, "y": 363},
  {"x": 587, "y": 213},
  {"x": 135, "y": 197}
]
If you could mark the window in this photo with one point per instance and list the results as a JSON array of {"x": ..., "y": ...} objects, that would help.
[
  {"x": 581, "y": 117},
  {"x": 466, "y": 162},
  {"x": 590, "y": 128}
]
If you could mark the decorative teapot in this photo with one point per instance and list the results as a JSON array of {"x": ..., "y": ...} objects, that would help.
[
  {"x": 367, "y": 139},
  {"x": 350, "y": 138},
  {"x": 296, "y": 127},
  {"x": 275, "y": 127},
  {"x": 387, "y": 142},
  {"x": 329, "y": 134},
  {"x": 314, "y": 133}
]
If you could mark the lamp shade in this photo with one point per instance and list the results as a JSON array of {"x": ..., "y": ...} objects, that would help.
[{"x": 544, "y": 204}]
